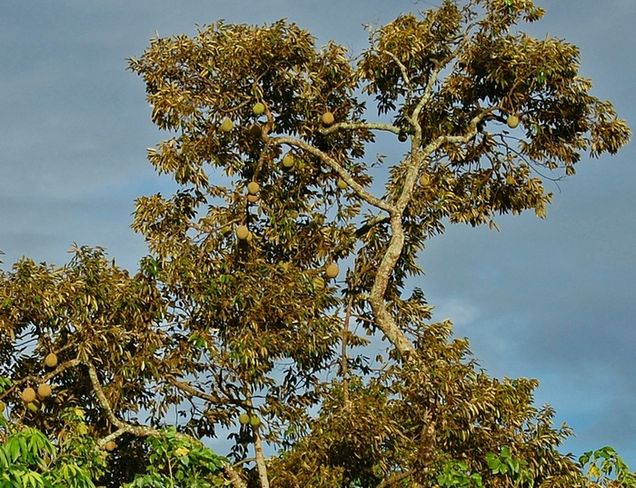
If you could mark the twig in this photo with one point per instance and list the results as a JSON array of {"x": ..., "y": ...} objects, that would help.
[{"x": 333, "y": 164}]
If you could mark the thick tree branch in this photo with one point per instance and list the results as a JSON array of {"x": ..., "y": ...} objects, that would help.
[
  {"x": 361, "y": 125},
  {"x": 391, "y": 257},
  {"x": 261, "y": 465},
  {"x": 470, "y": 133},
  {"x": 386, "y": 323},
  {"x": 424, "y": 99},
  {"x": 259, "y": 454},
  {"x": 385, "y": 320},
  {"x": 122, "y": 426},
  {"x": 344, "y": 357}
]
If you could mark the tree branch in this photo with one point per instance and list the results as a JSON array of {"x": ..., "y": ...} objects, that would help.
[
  {"x": 233, "y": 476},
  {"x": 141, "y": 431},
  {"x": 333, "y": 164},
  {"x": 61, "y": 367},
  {"x": 360, "y": 125},
  {"x": 188, "y": 388},
  {"x": 261, "y": 466},
  {"x": 394, "y": 479},
  {"x": 344, "y": 358},
  {"x": 400, "y": 64},
  {"x": 384, "y": 319},
  {"x": 122, "y": 426},
  {"x": 415, "y": 115},
  {"x": 371, "y": 223}
]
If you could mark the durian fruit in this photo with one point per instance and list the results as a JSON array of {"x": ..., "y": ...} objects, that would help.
[
  {"x": 331, "y": 271},
  {"x": 513, "y": 121},
  {"x": 50, "y": 360},
  {"x": 242, "y": 232},
  {"x": 255, "y": 421},
  {"x": 227, "y": 125},
  {"x": 258, "y": 108},
  {"x": 44, "y": 390},
  {"x": 288, "y": 161},
  {"x": 425, "y": 179},
  {"x": 28, "y": 395},
  {"x": 327, "y": 118},
  {"x": 253, "y": 187}
]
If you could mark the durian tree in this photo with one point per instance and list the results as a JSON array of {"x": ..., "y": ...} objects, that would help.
[{"x": 285, "y": 260}]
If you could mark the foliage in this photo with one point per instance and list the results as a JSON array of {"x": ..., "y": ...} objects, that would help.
[
  {"x": 179, "y": 462},
  {"x": 29, "y": 458},
  {"x": 238, "y": 320},
  {"x": 606, "y": 468}
]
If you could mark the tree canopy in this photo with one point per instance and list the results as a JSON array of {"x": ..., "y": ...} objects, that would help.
[{"x": 281, "y": 265}]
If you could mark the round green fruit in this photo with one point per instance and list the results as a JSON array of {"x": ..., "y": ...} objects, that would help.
[
  {"x": 244, "y": 419},
  {"x": 342, "y": 184},
  {"x": 44, "y": 390},
  {"x": 258, "y": 108},
  {"x": 227, "y": 125},
  {"x": 255, "y": 421},
  {"x": 425, "y": 180},
  {"x": 288, "y": 161}
]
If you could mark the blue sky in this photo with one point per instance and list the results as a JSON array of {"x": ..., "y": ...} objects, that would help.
[{"x": 550, "y": 299}]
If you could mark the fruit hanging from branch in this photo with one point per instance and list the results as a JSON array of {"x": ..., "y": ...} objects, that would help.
[
  {"x": 327, "y": 118},
  {"x": 44, "y": 390},
  {"x": 513, "y": 121},
  {"x": 332, "y": 270},
  {"x": 28, "y": 395},
  {"x": 288, "y": 161},
  {"x": 253, "y": 188},
  {"x": 227, "y": 125},
  {"x": 242, "y": 232},
  {"x": 258, "y": 108},
  {"x": 50, "y": 360}
]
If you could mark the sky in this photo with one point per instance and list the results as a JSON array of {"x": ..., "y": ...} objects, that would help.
[{"x": 549, "y": 299}]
